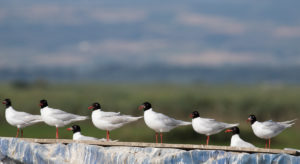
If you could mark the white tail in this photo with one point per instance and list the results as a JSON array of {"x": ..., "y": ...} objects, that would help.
[
  {"x": 81, "y": 118},
  {"x": 131, "y": 118},
  {"x": 34, "y": 119},
  {"x": 232, "y": 125},
  {"x": 185, "y": 123},
  {"x": 289, "y": 122}
]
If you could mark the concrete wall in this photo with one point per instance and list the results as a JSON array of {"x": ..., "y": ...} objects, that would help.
[{"x": 15, "y": 150}]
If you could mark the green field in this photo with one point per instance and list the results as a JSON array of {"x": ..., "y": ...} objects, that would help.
[{"x": 228, "y": 103}]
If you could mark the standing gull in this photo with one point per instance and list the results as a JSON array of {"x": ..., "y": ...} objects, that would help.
[
  {"x": 56, "y": 117},
  {"x": 159, "y": 122},
  {"x": 109, "y": 120},
  {"x": 19, "y": 119},
  {"x": 208, "y": 126},
  {"x": 268, "y": 129}
]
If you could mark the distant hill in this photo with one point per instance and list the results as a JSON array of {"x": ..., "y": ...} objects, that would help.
[
  {"x": 158, "y": 73},
  {"x": 150, "y": 41}
]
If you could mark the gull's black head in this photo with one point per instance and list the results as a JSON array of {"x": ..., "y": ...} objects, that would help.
[
  {"x": 252, "y": 118},
  {"x": 43, "y": 103},
  {"x": 95, "y": 106},
  {"x": 195, "y": 114},
  {"x": 75, "y": 128},
  {"x": 145, "y": 106},
  {"x": 7, "y": 103},
  {"x": 234, "y": 130}
]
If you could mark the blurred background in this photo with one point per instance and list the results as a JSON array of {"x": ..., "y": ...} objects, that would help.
[{"x": 226, "y": 59}]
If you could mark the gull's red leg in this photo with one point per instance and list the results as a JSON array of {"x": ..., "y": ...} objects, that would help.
[
  {"x": 17, "y": 133},
  {"x": 266, "y": 144},
  {"x": 107, "y": 135},
  {"x": 207, "y": 140},
  {"x": 56, "y": 133}
]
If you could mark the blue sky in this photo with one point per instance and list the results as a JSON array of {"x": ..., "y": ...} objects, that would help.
[{"x": 84, "y": 34}]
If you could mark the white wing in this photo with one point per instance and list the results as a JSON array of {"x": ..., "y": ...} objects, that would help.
[
  {"x": 121, "y": 119},
  {"x": 213, "y": 124},
  {"x": 23, "y": 118},
  {"x": 64, "y": 116},
  {"x": 109, "y": 114},
  {"x": 273, "y": 126},
  {"x": 168, "y": 121},
  {"x": 115, "y": 118}
]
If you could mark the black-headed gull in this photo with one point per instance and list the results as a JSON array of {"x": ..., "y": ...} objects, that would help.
[
  {"x": 19, "y": 119},
  {"x": 268, "y": 129},
  {"x": 208, "y": 126},
  {"x": 159, "y": 122},
  {"x": 109, "y": 120},
  {"x": 78, "y": 136},
  {"x": 56, "y": 117},
  {"x": 236, "y": 141}
]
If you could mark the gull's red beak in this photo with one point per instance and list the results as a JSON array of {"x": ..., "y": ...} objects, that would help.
[
  {"x": 191, "y": 115},
  {"x": 141, "y": 107},
  {"x": 69, "y": 129},
  {"x": 248, "y": 120},
  {"x": 228, "y": 130},
  {"x": 40, "y": 104},
  {"x": 3, "y": 102},
  {"x": 90, "y": 107}
]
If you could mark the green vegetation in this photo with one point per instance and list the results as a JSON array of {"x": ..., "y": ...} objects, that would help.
[{"x": 228, "y": 103}]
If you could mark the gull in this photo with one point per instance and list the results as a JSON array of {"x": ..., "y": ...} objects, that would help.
[
  {"x": 19, "y": 119},
  {"x": 56, "y": 117},
  {"x": 236, "y": 140},
  {"x": 208, "y": 126},
  {"x": 109, "y": 120},
  {"x": 268, "y": 129},
  {"x": 159, "y": 122},
  {"x": 78, "y": 136}
]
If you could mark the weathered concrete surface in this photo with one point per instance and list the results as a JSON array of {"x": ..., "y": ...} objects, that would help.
[
  {"x": 17, "y": 150},
  {"x": 165, "y": 145}
]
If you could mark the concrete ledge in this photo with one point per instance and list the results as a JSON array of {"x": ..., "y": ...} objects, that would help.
[
  {"x": 175, "y": 146},
  {"x": 52, "y": 151}
]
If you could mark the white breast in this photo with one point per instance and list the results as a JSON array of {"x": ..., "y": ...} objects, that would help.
[
  {"x": 110, "y": 120},
  {"x": 263, "y": 131},
  {"x": 98, "y": 121},
  {"x": 50, "y": 119},
  {"x": 20, "y": 119},
  {"x": 236, "y": 141},
  {"x": 151, "y": 121},
  {"x": 79, "y": 136},
  {"x": 10, "y": 116},
  {"x": 209, "y": 126},
  {"x": 160, "y": 122},
  {"x": 204, "y": 126},
  {"x": 104, "y": 120}
]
